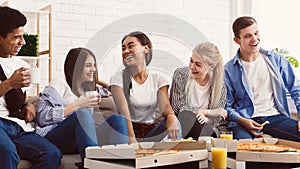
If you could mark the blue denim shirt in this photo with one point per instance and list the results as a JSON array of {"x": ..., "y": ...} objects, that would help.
[{"x": 239, "y": 98}]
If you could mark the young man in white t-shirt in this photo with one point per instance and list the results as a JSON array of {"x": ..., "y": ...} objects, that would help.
[
  {"x": 257, "y": 81},
  {"x": 17, "y": 139}
]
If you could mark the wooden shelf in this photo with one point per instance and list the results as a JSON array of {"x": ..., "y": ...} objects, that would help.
[
  {"x": 28, "y": 58},
  {"x": 33, "y": 57}
]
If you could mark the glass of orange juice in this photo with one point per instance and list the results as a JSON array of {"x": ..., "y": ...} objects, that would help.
[
  {"x": 226, "y": 135},
  {"x": 219, "y": 154}
]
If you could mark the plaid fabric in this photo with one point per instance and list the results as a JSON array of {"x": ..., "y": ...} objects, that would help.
[{"x": 142, "y": 129}]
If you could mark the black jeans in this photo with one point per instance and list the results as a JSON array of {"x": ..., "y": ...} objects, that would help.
[{"x": 192, "y": 128}]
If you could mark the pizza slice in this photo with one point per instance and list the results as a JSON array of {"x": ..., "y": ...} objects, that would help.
[{"x": 263, "y": 147}]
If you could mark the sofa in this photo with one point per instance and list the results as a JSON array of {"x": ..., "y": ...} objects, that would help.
[{"x": 106, "y": 108}]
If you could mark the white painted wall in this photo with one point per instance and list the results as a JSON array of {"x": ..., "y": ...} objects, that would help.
[
  {"x": 278, "y": 26},
  {"x": 85, "y": 23}
]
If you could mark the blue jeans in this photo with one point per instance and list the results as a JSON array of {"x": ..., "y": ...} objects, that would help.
[
  {"x": 113, "y": 130},
  {"x": 16, "y": 144},
  {"x": 160, "y": 132},
  {"x": 280, "y": 126},
  {"x": 75, "y": 133}
]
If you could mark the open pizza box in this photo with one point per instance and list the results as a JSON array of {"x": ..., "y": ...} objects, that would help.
[
  {"x": 252, "y": 156},
  {"x": 124, "y": 155}
]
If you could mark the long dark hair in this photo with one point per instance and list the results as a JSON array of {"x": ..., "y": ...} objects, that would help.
[
  {"x": 73, "y": 68},
  {"x": 144, "y": 40}
]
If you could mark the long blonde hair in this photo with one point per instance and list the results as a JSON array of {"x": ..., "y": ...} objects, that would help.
[{"x": 209, "y": 53}]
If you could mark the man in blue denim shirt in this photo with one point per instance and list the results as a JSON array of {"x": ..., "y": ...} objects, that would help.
[{"x": 257, "y": 81}]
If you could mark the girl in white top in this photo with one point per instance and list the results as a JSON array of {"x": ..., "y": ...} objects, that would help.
[{"x": 137, "y": 93}]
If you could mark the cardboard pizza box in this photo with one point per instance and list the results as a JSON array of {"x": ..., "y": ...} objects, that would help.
[
  {"x": 232, "y": 144},
  {"x": 272, "y": 157},
  {"x": 96, "y": 164},
  {"x": 123, "y": 155},
  {"x": 278, "y": 157},
  {"x": 269, "y": 157},
  {"x": 127, "y": 151},
  {"x": 181, "y": 145}
]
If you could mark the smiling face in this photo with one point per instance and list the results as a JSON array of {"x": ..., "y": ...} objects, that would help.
[
  {"x": 249, "y": 41},
  {"x": 12, "y": 43},
  {"x": 133, "y": 52},
  {"x": 198, "y": 69},
  {"x": 89, "y": 68}
]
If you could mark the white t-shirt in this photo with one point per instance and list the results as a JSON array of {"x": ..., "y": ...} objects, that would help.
[
  {"x": 9, "y": 66},
  {"x": 259, "y": 81},
  {"x": 199, "y": 95},
  {"x": 143, "y": 97}
]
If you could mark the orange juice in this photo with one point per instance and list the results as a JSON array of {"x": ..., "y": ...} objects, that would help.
[
  {"x": 219, "y": 158},
  {"x": 227, "y": 136}
]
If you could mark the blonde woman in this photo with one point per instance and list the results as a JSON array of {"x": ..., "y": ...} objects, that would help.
[{"x": 198, "y": 93}]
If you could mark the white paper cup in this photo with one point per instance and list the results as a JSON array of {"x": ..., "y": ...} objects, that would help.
[
  {"x": 35, "y": 75},
  {"x": 91, "y": 93}
]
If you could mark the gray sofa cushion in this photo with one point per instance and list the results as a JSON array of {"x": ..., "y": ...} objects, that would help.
[{"x": 68, "y": 162}]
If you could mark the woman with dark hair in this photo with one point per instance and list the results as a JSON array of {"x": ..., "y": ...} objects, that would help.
[
  {"x": 63, "y": 112},
  {"x": 138, "y": 92},
  {"x": 74, "y": 67}
]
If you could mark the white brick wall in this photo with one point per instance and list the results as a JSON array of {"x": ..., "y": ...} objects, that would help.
[{"x": 77, "y": 23}]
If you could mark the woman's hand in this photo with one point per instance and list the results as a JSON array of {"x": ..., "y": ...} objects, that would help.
[
  {"x": 87, "y": 102},
  {"x": 132, "y": 140},
  {"x": 223, "y": 113},
  {"x": 30, "y": 113},
  {"x": 201, "y": 117},
  {"x": 172, "y": 126},
  {"x": 214, "y": 112}
]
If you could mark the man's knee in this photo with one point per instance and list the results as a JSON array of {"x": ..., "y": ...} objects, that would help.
[
  {"x": 8, "y": 155},
  {"x": 241, "y": 133},
  {"x": 53, "y": 155}
]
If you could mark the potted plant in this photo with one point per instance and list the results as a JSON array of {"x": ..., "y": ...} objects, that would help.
[
  {"x": 294, "y": 62},
  {"x": 31, "y": 46}
]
